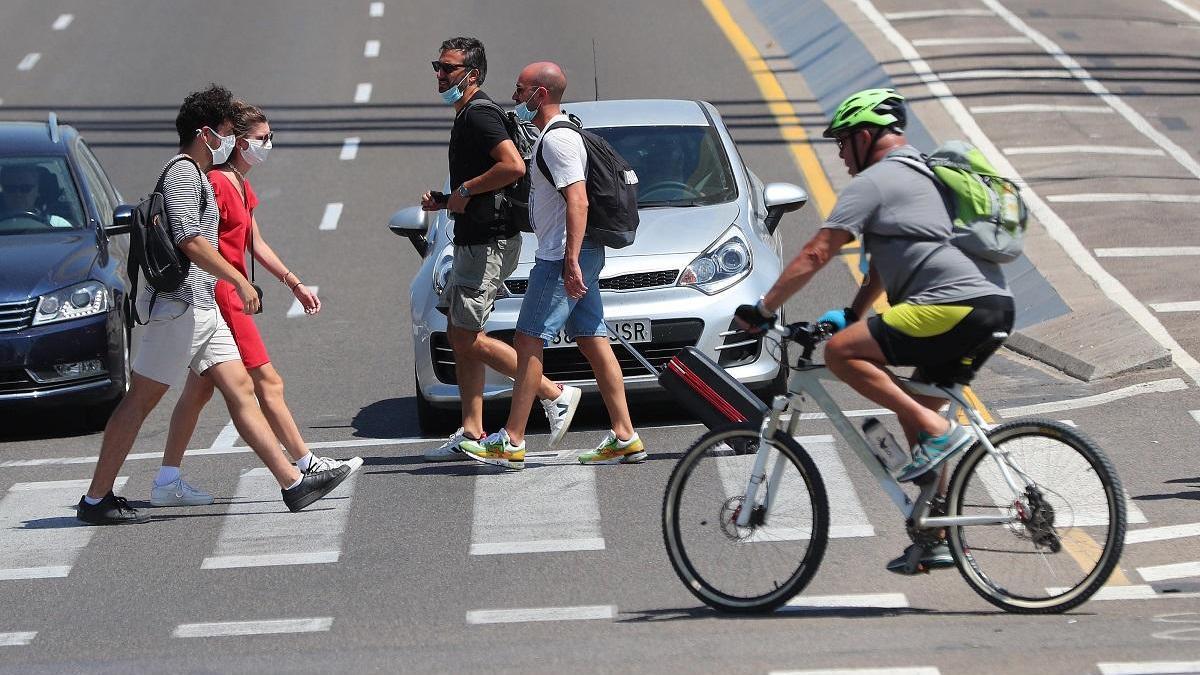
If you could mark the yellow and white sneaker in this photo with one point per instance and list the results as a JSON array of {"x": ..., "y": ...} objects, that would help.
[
  {"x": 612, "y": 450},
  {"x": 497, "y": 449}
]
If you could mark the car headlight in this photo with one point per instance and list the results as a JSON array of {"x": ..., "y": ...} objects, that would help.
[
  {"x": 86, "y": 299},
  {"x": 720, "y": 266},
  {"x": 441, "y": 270}
]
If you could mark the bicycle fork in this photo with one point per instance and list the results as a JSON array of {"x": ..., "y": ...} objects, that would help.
[{"x": 758, "y": 475}]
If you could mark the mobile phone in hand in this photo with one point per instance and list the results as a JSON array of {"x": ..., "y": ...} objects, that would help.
[{"x": 439, "y": 197}]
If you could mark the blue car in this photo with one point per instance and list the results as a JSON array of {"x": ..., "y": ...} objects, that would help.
[{"x": 63, "y": 280}]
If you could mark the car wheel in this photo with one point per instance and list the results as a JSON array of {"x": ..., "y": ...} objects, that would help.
[{"x": 434, "y": 420}]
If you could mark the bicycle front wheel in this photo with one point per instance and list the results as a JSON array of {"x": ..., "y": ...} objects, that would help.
[
  {"x": 760, "y": 566},
  {"x": 1069, "y": 517}
]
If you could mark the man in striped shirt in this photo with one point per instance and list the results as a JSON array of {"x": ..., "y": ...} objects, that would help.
[{"x": 185, "y": 328}]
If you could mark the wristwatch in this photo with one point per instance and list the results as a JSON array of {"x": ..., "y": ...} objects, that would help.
[{"x": 462, "y": 191}]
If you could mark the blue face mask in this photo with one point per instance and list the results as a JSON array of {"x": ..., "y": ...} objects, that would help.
[
  {"x": 522, "y": 110},
  {"x": 453, "y": 94}
]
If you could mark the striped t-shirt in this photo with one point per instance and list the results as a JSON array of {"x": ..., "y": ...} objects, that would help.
[{"x": 182, "y": 188}]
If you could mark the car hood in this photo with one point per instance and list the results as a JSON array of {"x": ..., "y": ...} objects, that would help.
[{"x": 34, "y": 264}]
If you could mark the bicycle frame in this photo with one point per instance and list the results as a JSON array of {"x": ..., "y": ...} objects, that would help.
[{"x": 806, "y": 380}]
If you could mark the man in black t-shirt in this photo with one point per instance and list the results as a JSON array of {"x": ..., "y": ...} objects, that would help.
[{"x": 483, "y": 160}]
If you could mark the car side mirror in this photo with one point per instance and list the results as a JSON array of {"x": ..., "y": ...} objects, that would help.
[
  {"x": 122, "y": 222},
  {"x": 782, "y": 198},
  {"x": 411, "y": 223}
]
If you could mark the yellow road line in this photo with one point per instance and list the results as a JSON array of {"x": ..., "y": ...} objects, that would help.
[{"x": 1086, "y": 552}]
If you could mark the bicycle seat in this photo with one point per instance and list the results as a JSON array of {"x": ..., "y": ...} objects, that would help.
[{"x": 964, "y": 369}]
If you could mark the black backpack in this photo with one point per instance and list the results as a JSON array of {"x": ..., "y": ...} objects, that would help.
[
  {"x": 152, "y": 249},
  {"x": 612, "y": 218},
  {"x": 512, "y": 204}
]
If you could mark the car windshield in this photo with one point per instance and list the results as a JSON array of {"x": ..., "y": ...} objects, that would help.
[
  {"x": 37, "y": 194},
  {"x": 676, "y": 165}
]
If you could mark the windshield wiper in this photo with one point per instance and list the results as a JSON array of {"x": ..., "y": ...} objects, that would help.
[{"x": 671, "y": 202}]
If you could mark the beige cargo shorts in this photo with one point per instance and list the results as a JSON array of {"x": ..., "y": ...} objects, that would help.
[{"x": 475, "y": 279}]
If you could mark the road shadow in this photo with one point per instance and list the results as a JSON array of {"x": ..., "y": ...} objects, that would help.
[
  {"x": 389, "y": 418},
  {"x": 41, "y": 424},
  {"x": 694, "y": 613}
]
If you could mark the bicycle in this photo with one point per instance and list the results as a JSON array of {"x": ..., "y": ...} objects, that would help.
[{"x": 1034, "y": 513}]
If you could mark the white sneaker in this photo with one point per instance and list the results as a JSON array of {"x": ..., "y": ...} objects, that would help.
[
  {"x": 561, "y": 411},
  {"x": 450, "y": 450},
  {"x": 327, "y": 463},
  {"x": 179, "y": 493}
]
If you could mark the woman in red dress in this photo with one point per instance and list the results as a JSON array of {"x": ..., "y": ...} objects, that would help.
[{"x": 239, "y": 232}]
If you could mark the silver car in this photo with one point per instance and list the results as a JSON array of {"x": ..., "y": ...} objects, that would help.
[{"x": 706, "y": 244}]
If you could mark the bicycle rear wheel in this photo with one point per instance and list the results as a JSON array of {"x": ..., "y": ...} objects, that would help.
[
  {"x": 1071, "y": 511},
  {"x": 744, "y": 569}
]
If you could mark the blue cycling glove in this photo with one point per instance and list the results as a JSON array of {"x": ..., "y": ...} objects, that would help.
[{"x": 838, "y": 318}]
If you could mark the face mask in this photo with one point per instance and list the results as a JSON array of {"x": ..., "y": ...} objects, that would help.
[
  {"x": 451, "y": 95},
  {"x": 255, "y": 152},
  {"x": 221, "y": 154},
  {"x": 522, "y": 110}
]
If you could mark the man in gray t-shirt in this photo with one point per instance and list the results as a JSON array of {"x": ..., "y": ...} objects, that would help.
[{"x": 945, "y": 305}]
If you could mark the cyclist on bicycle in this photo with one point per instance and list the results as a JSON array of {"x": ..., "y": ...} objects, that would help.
[{"x": 944, "y": 304}]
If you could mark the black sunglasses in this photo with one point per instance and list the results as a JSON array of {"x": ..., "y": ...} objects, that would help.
[
  {"x": 20, "y": 189},
  {"x": 446, "y": 68}
]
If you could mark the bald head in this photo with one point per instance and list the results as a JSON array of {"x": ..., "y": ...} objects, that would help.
[{"x": 547, "y": 75}]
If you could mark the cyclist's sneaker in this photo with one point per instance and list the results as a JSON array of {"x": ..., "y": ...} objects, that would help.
[
  {"x": 561, "y": 411},
  {"x": 451, "y": 450},
  {"x": 327, "y": 463},
  {"x": 930, "y": 451},
  {"x": 933, "y": 557},
  {"x": 179, "y": 493},
  {"x": 112, "y": 510},
  {"x": 615, "y": 451},
  {"x": 497, "y": 450}
]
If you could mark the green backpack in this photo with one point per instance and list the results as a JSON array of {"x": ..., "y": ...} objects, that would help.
[{"x": 987, "y": 209}]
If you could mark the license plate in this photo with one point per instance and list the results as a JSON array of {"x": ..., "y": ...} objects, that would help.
[{"x": 633, "y": 330}]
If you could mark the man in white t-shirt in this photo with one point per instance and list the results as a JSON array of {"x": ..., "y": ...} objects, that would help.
[{"x": 564, "y": 284}]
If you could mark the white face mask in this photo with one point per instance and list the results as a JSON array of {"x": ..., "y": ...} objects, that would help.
[
  {"x": 256, "y": 151},
  {"x": 221, "y": 154}
]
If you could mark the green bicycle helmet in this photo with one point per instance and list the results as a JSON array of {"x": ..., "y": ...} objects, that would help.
[{"x": 870, "y": 107}]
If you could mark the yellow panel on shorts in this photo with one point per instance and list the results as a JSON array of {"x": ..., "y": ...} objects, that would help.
[{"x": 922, "y": 321}]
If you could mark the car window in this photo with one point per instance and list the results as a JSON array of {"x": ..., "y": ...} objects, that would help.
[
  {"x": 676, "y": 166},
  {"x": 97, "y": 184},
  {"x": 37, "y": 194}
]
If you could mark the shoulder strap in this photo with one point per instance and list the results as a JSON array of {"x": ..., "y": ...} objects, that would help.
[{"x": 561, "y": 124}]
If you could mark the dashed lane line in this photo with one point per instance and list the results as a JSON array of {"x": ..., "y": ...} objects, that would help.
[
  {"x": 1038, "y": 108},
  {"x": 1108, "y": 197},
  {"x": 63, "y": 21},
  {"x": 376, "y": 10},
  {"x": 17, "y": 639},
  {"x": 898, "y": 670},
  {"x": 362, "y": 93},
  {"x": 29, "y": 61},
  {"x": 239, "y": 628},
  {"x": 947, "y": 42},
  {"x": 349, "y": 148},
  {"x": 1083, "y": 149},
  {"x": 371, "y": 49},
  {"x": 809, "y": 603},
  {"x": 583, "y": 613},
  {"x": 297, "y": 309},
  {"x": 1150, "y": 668},
  {"x": 329, "y": 219},
  {"x": 922, "y": 14}
]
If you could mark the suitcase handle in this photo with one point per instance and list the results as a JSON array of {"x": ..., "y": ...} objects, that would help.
[{"x": 636, "y": 354}]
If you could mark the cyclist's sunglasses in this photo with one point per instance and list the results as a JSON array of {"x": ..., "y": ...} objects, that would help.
[{"x": 446, "y": 68}]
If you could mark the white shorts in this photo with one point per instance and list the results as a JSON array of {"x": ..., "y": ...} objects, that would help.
[{"x": 181, "y": 336}]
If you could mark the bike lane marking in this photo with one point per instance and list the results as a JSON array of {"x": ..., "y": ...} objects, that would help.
[{"x": 40, "y": 537}]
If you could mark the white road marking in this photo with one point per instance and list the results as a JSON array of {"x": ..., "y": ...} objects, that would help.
[
  {"x": 791, "y": 515},
  {"x": 1084, "y": 149},
  {"x": 362, "y": 93},
  {"x": 1004, "y": 74},
  {"x": 940, "y": 42},
  {"x": 376, "y": 9},
  {"x": 846, "y": 515},
  {"x": 39, "y": 535},
  {"x": 371, "y": 49},
  {"x": 329, "y": 220},
  {"x": 29, "y": 61},
  {"x": 1040, "y": 107},
  {"x": 227, "y": 438},
  {"x": 1194, "y": 13},
  {"x": 1150, "y": 668},
  {"x": 1054, "y": 224},
  {"x": 266, "y": 627},
  {"x": 1165, "y": 532},
  {"x": 1172, "y": 571},
  {"x": 1190, "y": 306},
  {"x": 1135, "y": 592},
  {"x": 1092, "y": 197},
  {"x": 16, "y": 639},
  {"x": 899, "y": 670},
  {"x": 584, "y": 613},
  {"x": 297, "y": 309},
  {"x": 262, "y": 532},
  {"x": 1156, "y": 386},
  {"x": 350, "y": 148},
  {"x": 558, "y": 510},
  {"x": 934, "y": 14},
  {"x": 1147, "y": 251},
  {"x": 856, "y": 600},
  {"x": 63, "y": 21}
]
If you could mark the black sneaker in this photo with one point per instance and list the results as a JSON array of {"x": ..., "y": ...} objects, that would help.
[
  {"x": 934, "y": 557},
  {"x": 314, "y": 485},
  {"x": 112, "y": 510}
]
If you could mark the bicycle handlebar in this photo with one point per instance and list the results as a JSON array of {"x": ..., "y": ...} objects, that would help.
[{"x": 807, "y": 335}]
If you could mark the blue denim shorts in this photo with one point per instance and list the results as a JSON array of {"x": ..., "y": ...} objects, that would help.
[{"x": 547, "y": 309}]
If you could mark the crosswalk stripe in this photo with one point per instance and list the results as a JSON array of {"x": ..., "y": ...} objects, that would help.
[
  {"x": 585, "y": 613},
  {"x": 39, "y": 535},
  {"x": 265, "y": 533},
  {"x": 546, "y": 507},
  {"x": 16, "y": 639},
  {"x": 900, "y": 670},
  {"x": 846, "y": 515},
  {"x": 267, "y": 627},
  {"x": 802, "y": 603},
  {"x": 1150, "y": 668},
  {"x": 1162, "y": 533},
  {"x": 1172, "y": 571}
]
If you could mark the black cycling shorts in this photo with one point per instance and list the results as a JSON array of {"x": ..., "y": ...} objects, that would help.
[{"x": 936, "y": 338}]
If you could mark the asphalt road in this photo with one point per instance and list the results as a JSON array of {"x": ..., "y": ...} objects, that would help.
[{"x": 391, "y": 583}]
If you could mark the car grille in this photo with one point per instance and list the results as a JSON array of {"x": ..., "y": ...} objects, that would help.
[
  {"x": 624, "y": 282},
  {"x": 15, "y": 381},
  {"x": 16, "y": 315},
  {"x": 568, "y": 363}
]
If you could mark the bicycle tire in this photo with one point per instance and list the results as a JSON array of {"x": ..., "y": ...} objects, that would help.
[
  {"x": 813, "y": 540},
  {"x": 1074, "y": 526}
]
